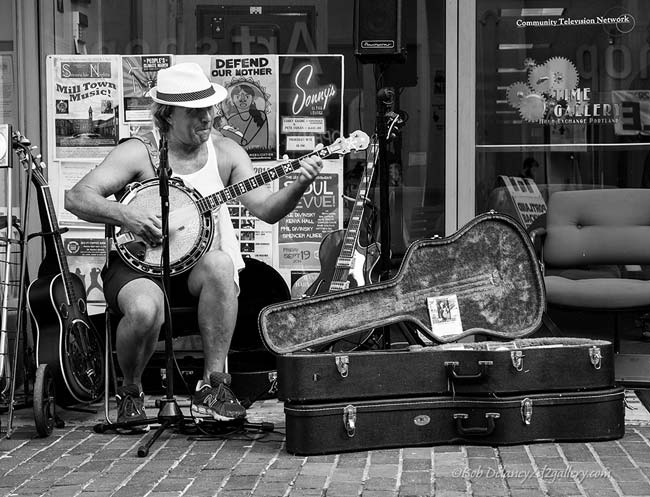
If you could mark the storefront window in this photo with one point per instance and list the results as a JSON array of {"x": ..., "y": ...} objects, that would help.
[
  {"x": 562, "y": 96},
  {"x": 415, "y": 155},
  {"x": 8, "y": 94}
]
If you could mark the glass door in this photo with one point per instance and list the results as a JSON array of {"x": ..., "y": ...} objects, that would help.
[
  {"x": 558, "y": 99},
  {"x": 562, "y": 96}
]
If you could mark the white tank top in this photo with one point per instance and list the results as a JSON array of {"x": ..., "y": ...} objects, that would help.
[{"x": 207, "y": 181}]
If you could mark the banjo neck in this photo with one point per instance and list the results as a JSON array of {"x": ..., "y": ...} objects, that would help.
[
  {"x": 190, "y": 224},
  {"x": 213, "y": 201}
]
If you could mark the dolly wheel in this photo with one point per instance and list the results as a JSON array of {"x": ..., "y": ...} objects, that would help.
[
  {"x": 44, "y": 400},
  {"x": 99, "y": 428}
]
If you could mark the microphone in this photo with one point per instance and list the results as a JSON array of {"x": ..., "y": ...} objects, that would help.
[
  {"x": 18, "y": 140},
  {"x": 163, "y": 149},
  {"x": 386, "y": 95},
  {"x": 164, "y": 171}
]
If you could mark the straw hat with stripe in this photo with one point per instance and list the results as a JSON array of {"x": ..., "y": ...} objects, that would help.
[{"x": 186, "y": 85}]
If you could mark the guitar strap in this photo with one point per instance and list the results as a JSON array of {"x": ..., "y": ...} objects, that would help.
[{"x": 149, "y": 141}]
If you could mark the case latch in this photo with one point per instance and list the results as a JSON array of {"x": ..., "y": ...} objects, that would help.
[
  {"x": 350, "y": 419},
  {"x": 526, "y": 410},
  {"x": 342, "y": 362},
  {"x": 595, "y": 357},
  {"x": 517, "y": 358}
]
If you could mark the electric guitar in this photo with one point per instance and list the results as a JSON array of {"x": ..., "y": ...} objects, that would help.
[
  {"x": 65, "y": 337},
  {"x": 345, "y": 262},
  {"x": 191, "y": 228}
]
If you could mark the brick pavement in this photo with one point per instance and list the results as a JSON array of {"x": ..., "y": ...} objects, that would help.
[{"x": 75, "y": 461}]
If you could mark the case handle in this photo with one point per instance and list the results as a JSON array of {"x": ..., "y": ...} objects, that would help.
[
  {"x": 476, "y": 431},
  {"x": 483, "y": 371}
]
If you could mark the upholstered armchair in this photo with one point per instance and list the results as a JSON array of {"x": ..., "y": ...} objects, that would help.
[{"x": 594, "y": 248}]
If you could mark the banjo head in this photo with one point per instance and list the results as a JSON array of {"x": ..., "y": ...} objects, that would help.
[{"x": 190, "y": 231}]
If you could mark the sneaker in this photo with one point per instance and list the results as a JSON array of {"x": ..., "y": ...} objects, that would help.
[
  {"x": 130, "y": 406},
  {"x": 216, "y": 400}
]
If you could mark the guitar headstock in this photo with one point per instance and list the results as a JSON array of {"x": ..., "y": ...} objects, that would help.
[
  {"x": 23, "y": 147},
  {"x": 358, "y": 140}
]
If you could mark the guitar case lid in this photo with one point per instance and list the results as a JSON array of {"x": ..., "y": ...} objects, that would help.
[{"x": 487, "y": 270}]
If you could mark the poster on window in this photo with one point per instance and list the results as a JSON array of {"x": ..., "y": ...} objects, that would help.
[
  {"x": 83, "y": 105},
  {"x": 311, "y": 102},
  {"x": 86, "y": 257},
  {"x": 7, "y": 90},
  {"x": 634, "y": 112},
  {"x": 248, "y": 115},
  {"x": 139, "y": 75},
  {"x": 5, "y": 145},
  {"x": 255, "y": 236},
  {"x": 318, "y": 213},
  {"x": 64, "y": 177}
]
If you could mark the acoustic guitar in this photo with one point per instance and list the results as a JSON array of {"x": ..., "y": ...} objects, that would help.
[
  {"x": 65, "y": 337},
  {"x": 345, "y": 262}
]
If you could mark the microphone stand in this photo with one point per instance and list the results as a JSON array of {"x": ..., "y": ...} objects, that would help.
[{"x": 169, "y": 414}]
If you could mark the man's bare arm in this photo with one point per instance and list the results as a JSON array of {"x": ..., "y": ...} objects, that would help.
[
  {"x": 88, "y": 198},
  {"x": 267, "y": 206}
]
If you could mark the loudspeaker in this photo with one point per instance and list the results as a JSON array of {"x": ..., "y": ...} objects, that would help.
[{"x": 379, "y": 31}]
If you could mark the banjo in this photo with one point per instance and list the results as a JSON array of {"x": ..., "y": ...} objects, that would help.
[{"x": 191, "y": 226}]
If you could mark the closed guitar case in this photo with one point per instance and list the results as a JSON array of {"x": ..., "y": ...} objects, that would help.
[
  {"x": 480, "y": 368},
  {"x": 375, "y": 424}
]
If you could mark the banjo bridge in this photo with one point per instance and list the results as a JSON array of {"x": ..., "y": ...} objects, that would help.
[{"x": 126, "y": 237}]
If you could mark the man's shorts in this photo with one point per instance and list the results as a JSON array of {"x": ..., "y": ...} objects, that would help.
[{"x": 117, "y": 274}]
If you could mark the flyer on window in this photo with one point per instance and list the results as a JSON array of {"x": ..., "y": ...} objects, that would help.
[
  {"x": 7, "y": 89},
  {"x": 86, "y": 257},
  {"x": 311, "y": 102},
  {"x": 318, "y": 213},
  {"x": 248, "y": 115},
  {"x": 83, "y": 105},
  {"x": 139, "y": 75},
  {"x": 255, "y": 236},
  {"x": 5, "y": 145},
  {"x": 66, "y": 175}
]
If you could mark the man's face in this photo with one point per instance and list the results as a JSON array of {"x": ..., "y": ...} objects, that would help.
[{"x": 192, "y": 126}]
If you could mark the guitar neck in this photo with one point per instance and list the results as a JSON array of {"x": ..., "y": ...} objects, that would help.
[
  {"x": 56, "y": 237},
  {"x": 351, "y": 237},
  {"x": 213, "y": 201}
]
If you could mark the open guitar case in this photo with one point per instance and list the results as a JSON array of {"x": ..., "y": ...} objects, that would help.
[{"x": 489, "y": 383}]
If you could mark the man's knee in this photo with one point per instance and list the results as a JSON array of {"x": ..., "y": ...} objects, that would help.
[
  {"x": 217, "y": 264},
  {"x": 144, "y": 313}
]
